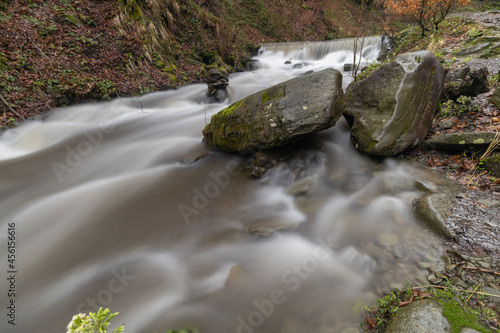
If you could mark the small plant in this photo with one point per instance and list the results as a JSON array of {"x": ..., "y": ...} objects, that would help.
[
  {"x": 474, "y": 33},
  {"x": 447, "y": 109},
  {"x": 388, "y": 305},
  {"x": 465, "y": 105},
  {"x": 93, "y": 322},
  {"x": 461, "y": 106},
  {"x": 87, "y": 41},
  {"x": 494, "y": 79}
]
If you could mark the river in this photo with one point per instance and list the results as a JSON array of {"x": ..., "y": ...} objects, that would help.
[{"x": 121, "y": 205}]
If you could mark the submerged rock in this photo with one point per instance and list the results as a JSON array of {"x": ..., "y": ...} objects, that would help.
[
  {"x": 393, "y": 109},
  {"x": 279, "y": 115},
  {"x": 432, "y": 210}
]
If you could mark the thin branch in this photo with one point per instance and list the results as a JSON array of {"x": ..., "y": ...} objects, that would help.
[
  {"x": 10, "y": 108},
  {"x": 481, "y": 270},
  {"x": 39, "y": 49}
]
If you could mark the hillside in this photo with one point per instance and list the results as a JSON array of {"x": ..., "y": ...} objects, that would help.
[{"x": 61, "y": 52}]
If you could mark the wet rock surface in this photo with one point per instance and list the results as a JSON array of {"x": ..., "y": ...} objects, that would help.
[
  {"x": 279, "y": 115},
  {"x": 433, "y": 209},
  {"x": 217, "y": 84}
]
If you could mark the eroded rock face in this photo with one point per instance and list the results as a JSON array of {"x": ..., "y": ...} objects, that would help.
[
  {"x": 279, "y": 115},
  {"x": 392, "y": 110}
]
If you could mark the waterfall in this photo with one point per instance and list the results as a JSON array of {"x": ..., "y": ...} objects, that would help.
[{"x": 371, "y": 47}]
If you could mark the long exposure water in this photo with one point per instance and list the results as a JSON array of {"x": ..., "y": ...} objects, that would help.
[{"x": 121, "y": 205}]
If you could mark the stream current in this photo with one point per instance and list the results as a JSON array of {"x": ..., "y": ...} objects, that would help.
[{"x": 121, "y": 205}]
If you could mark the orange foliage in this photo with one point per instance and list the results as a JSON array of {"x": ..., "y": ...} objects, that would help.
[{"x": 423, "y": 11}]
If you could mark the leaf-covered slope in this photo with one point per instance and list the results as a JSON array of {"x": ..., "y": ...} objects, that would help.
[{"x": 61, "y": 52}]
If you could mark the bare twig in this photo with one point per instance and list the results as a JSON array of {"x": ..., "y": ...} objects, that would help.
[
  {"x": 10, "y": 108},
  {"x": 481, "y": 270},
  {"x": 495, "y": 143},
  {"x": 468, "y": 298}
]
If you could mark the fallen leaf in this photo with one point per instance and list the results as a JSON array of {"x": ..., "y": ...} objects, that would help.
[{"x": 369, "y": 323}]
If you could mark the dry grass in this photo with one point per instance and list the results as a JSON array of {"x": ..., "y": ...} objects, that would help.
[{"x": 473, "y": 174}]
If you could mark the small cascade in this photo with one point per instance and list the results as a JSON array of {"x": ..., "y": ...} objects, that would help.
[{"x": 371, "y": 48}]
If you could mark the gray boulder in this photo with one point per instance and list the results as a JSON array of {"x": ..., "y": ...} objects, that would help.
[
  {"x": 279, "y": 115},
  {"x": 392, "y": 109},
  {"x": 419, "y": 316}
]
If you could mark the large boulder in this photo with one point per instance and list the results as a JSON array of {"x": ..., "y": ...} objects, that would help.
[
  {"x": 279, "y": 115},
  {"x": 393, "y": 108}
]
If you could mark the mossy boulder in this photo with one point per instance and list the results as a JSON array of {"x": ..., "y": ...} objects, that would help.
[
  {"x": 392, "y": 109},
  {"x": 445, "y": 314},
  {"x": 419, "y": 316},
  {"x": 279, "y": 115}
]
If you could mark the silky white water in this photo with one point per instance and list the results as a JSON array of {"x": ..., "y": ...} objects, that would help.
[{"x": 121, "y": 205}]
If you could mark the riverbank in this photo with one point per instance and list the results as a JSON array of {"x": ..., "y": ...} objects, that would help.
[
  {"x": 57, "y": 53},
  {"x": 469, "y": 269}
]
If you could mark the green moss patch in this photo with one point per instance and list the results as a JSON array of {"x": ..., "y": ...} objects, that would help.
[{"x": 459, "y": 315}]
